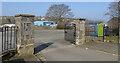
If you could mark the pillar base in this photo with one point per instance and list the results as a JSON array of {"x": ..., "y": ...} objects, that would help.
[{"x": 26, "y": 50}]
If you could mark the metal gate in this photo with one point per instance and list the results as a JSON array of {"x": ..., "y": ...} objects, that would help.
[
  {"x": 90, "y": 32},
  {"x": 9, "y": 39},
  {"x": 70, "y": 33}
]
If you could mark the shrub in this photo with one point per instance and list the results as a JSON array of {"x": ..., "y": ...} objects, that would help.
[{"x": 61, "y": 25}]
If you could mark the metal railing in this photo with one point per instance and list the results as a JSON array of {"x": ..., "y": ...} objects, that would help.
[
  {"x": 9, "y": 39},
  {"x": 70, "y": 33}
]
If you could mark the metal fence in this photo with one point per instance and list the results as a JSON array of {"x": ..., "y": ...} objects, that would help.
[
  {"x": 9, "y": 39},
  {"x": 111, "y": 34},
  {"x": 90, "y": 32},
  {"x": 108, "y": 34},
  {"x": 70, "y": 32}
]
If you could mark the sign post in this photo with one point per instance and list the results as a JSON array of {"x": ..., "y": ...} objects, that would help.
[{"x": 103, "y": 33}]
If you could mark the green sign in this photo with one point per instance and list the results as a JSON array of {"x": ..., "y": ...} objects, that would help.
[{"x": 100, "y": 30}]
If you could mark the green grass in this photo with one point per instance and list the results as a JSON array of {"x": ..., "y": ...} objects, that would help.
[
  {"x": 108, "y": 38},
  {"x": 37, "y": 54},
  {"x": 89, "y": 41},
  {"x": 111, "y": 38}
]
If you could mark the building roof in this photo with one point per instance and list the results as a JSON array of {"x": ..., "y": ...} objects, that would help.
[
  {"x": 94, "y": 22},
  {"x": 114, "y": 18},
  {"x": 44, "y": 21},
  {"x": 24, "y": 15},
  {"x": 79, "y": 19}
]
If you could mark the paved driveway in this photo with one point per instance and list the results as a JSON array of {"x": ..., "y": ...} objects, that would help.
[{"x": 53, "y": 47}]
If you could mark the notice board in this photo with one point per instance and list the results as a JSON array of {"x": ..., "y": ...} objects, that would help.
[{"x": 100, "y": 30}]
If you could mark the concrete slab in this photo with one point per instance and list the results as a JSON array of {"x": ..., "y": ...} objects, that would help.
[{"x": 62, "y": 50}]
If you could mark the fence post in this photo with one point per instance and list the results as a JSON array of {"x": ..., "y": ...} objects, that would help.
[
  {"x": 25, "y": 35},
  {"x": 103, "y": 32},
  {"x": 118, "y": 24}
]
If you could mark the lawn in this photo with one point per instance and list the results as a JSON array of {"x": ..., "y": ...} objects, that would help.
[
  {"x": 107, "y": 38},
  {"x": 111, "y": 38}
]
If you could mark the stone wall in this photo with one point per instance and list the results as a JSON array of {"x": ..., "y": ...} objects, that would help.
[
  {"x": 11, "y": 19},
  {"x": 25, "y": 44},
  {"x": 80, "y": 31},
  {"x": 7, "y": 19},
  {"x": 76, "y": 34}
]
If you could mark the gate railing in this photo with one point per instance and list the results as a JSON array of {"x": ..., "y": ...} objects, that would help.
[
  {"x": 70, "y": 33},
  {"x": 9, "y": 39}
]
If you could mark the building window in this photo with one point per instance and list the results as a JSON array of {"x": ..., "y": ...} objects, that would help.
[{"x": 52, "y": 23}]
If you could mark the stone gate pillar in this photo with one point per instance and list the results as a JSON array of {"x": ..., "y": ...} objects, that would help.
[
  {"x": 25, "y": 35},
  {"x": 80, "y": 31}
]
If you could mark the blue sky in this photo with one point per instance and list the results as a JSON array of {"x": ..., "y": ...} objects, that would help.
[{"x": 89, "y": 10}]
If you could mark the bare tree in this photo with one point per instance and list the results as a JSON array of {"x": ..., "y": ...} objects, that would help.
[
  {"x": 59, "y": 12},
  {"x": 113, "y": 10}
]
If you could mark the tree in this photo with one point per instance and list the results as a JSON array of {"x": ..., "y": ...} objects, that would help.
[
  {"x": 59, "y": 12},
  {"x": 113, "y": 10}
]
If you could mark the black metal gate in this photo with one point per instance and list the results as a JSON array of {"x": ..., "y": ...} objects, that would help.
[
  {"x": 9, "y": 39},
  {"x": 70, "y": 33}
]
